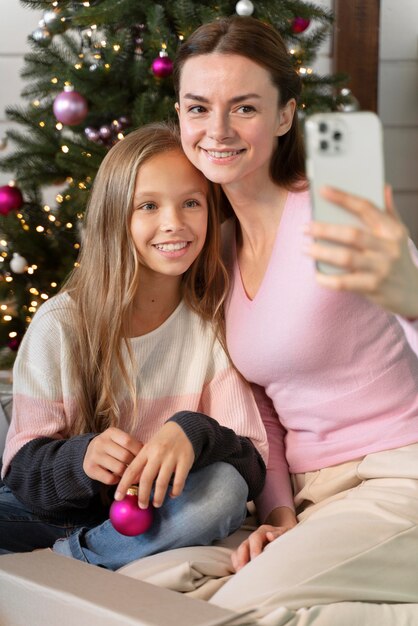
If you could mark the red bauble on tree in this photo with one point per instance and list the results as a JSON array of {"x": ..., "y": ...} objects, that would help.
[
  {"x": 70, "y": 107},
  {"x": 299, "y": 24},
  {"x": 162, "y": 66},
  {"x": 11, "y": 199}
]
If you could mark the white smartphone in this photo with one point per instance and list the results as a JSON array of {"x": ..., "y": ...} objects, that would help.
[{"x": 345, "y": 151}]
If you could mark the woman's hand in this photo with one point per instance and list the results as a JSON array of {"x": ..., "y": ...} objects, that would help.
[
  {"x": 376, "y": 259},
  {"x": 168, "y": 453},
  {"x": 108, "y": 454},
  {"x": 280, "y": 521}
]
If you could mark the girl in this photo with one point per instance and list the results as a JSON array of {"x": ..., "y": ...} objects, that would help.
[
  {"x": 123, "y": 368},
  {"x": 336, "y": 375}
]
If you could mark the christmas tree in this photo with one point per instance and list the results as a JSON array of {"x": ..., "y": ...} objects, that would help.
[{"x": 97, "y": 70}]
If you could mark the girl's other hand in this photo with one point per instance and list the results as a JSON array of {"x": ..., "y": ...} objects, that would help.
[
  {"x": 108, "y": 455},
  {"x": 169, "y": 453},
  {"x": 282, "y": 518},
  {"x": 376, "y": 258}
]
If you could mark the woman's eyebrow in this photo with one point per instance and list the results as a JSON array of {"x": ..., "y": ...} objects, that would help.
[{"x": 234, "y": 100}]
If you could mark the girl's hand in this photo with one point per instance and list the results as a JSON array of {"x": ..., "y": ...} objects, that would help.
[
  {"x": 284, "y": 519},
  {"x": 168, "y": 453},
  {"x": 108, "y": 454},
  {"x": 376, "y": 259}
]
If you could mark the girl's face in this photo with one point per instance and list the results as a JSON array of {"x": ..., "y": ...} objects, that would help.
[
  {"x": 170, "y": 214},
  {"x": 230, "y": 117}
]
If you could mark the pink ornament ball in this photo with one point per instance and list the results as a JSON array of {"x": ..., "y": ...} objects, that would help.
[
  {"x": 300, "y": 24},
  {"x": 126, "y": 516},
  {"x": 162, "y": 66},
  {"x": 70, "y": 108},
  {"x": 11, "y": 199},
  {"x": 105, "y": 132}
]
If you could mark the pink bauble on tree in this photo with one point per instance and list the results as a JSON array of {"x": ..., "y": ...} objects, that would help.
[
  {"x": 300, "y": 24},
  {"x": 126, "y": 516},
  {"x": 70, "y": 107},
  {"x": 162, "y": 66},
  {"x": 11, "y": 199}
]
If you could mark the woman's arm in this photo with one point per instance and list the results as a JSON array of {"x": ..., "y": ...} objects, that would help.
[
  {"x": 377, "y": 259},
  {"x": 277, "y": 491},
  {"x": 275, "y": 504}
]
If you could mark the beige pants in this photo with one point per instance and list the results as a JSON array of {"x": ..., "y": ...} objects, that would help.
[{"x": 357, "y": 541}]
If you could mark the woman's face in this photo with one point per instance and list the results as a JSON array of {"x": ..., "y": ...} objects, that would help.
[{"x": 230, "y": 117}]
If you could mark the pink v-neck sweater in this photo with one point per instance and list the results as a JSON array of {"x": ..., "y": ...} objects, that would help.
[{"x": 340, "y": 373}]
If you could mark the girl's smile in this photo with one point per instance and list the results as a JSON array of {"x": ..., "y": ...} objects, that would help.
[{"x": 173, "y": 249}]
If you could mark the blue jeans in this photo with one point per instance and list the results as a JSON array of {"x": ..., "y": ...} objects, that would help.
[
  {"x": 22, "y": 531},
  {"x": 212, "y": 506}
]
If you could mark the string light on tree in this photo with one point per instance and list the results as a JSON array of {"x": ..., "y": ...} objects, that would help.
[{"x": 244, "y": 7}]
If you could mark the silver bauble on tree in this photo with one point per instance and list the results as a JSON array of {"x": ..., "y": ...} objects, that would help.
[
  {"x": 244, "y": 7},
  {"x": 349, "y": 102},
  {"x": 42, "y": 36},
  {"x": 54, "y": 21},
  {"x": 18, "y": 263}
]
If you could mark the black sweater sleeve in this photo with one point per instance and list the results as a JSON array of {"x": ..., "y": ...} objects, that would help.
[
  {"x": 47, "y": 476},
  {"x": 212, "y": 442}
]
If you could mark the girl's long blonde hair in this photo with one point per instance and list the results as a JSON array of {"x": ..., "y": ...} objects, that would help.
[{"x": 104, "y": 284}]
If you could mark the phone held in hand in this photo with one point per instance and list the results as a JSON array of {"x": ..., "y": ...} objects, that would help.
[{"x": 345, "y": 151}]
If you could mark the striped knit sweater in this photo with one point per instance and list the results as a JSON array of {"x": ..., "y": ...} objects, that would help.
[{"x": 183, "y": 374}]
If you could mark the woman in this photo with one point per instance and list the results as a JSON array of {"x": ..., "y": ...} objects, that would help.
[{"x": 335, "y": 371}]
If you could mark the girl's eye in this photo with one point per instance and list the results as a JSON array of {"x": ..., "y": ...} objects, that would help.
[
  {"x": 148, "y": 206},
  {"x": 190, "y": 204}
]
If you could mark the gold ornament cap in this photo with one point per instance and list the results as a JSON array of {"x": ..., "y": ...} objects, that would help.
[{"x": 132, "y": 491}]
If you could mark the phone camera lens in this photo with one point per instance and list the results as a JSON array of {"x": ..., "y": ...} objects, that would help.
[
  {"x": 337, "y": 135},
  {"x": 323, "y": 145},
  {"x": 323, "y": 127}
]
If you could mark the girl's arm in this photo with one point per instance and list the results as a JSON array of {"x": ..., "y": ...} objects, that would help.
[
  {"x": 50, "y": 475},
  {"x": 42, "y": 466},
  {"x": 187, "y": 442},
  {"x": 212, "y": 443},
  {"x": 48, "y": 471},
  {"x": 47, "y": 474}
]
